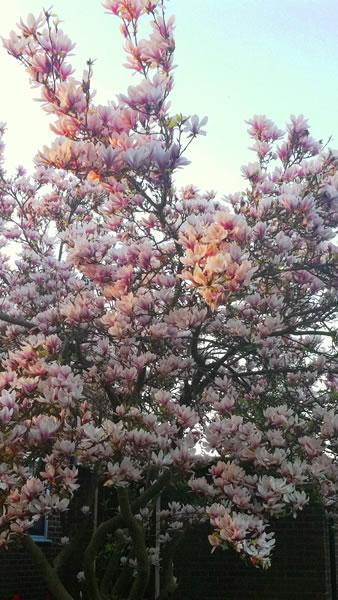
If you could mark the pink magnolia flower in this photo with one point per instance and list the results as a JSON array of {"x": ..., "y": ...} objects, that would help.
[{"x": 42, "y": 428}]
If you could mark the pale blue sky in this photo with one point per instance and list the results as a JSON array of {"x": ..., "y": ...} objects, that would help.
[{"x": 235, "y": 58}]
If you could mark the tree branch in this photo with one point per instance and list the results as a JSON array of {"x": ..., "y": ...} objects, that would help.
[
  {"x": 135, "y": 529},
  {"x": 17, "y": 321},
  {"x": 49, "y": 575},
  {"x": 117, "y": 522}
]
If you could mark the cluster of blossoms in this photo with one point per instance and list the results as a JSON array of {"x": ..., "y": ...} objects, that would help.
[{"x": 155, "y": 339}]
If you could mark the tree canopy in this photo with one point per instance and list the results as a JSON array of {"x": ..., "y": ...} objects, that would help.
[{"x": 156, "y": 339}]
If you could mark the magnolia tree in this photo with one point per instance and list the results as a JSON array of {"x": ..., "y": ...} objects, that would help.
[{"x": 157, "y": 341}]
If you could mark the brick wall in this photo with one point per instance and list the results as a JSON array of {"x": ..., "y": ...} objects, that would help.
[
  {"x": 18, "y": 574},
  {"x": 301, "y": 568}
]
